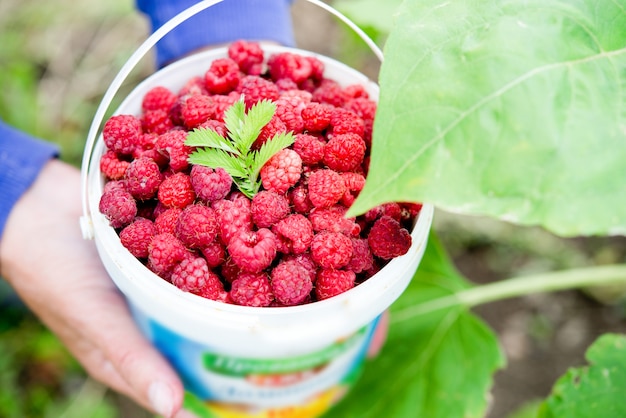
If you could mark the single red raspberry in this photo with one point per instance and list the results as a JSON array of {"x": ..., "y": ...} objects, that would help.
[
  {"x": 118, "y": 206},
  {"x": 222, "y": 103},
  {"x": 325, "y": 188},
  {"x": 354, "y": 184},
  {"x": 282, "y": 171},
  {"x": 299, "y": 199},
  {"x": 309, "y": 148},
  {"x": 112, "y": 166},
  {"x": 156, "y": 121},
  {"x": 354, "y": 91},
  {"x": 391, "y": 209},
  {"x": 158, "y": 98},
  {"x": 136, "y": 237},
  {"x": 233, "y": 216},
  {"x": 331, "y": 283},
  {"x": 155, "y": 155},
  {"x": 285, "y": 84},
  {"x": 410, "y": 211},
  {"x": 317, "y": 68},
  {"x": 248, "y": 55},
  {"x": 316, "y": 116},
  {"x": 268, "y": 207},
  {"x": 291, "y": 283},
  {"x": 114, "y": 185},
  {"x": 172, "y": 144},
  {"x": 272, "y": 128},
  {"x": 331, "y": 249},
  {"x": 193, "y": 86},
  {"x": 306, "y": 261},
  {"x": 289, "y": 65},
  {"x": 344, "y": 121},
  {"x": 191, "y": 274},
  {"x": 253, "y": 251},
  {"x": 333, "y": 219},
  {"x": 164, "y": 253},
  {"x": 197, "y": 226},
  {"x": 121, "y": 133},
  {"x": 230, "y": 271},
  {"x": 290, "y": 115},
  {"x": 210, "y": 184},
  {"x": 294, "y": 234},
  {"x": 255, "y": 89},
  {"x": 362, "y": 258},
  {"x": 213, "y": 289},
  {"x": 146, "y": 142},
  {"x": 143, "y": 178},
  {"x": 299, "y": 99},
  {"x": 176, "y": 191},
  {"x": 252, "y": 289},
  {"x": 330, "y": 92},
  {"x": 363, "y": 107},
  {"x": 344, "y": 152},
  {"x": 215, "y": 125},
  {"x": 214, "y": 253},
  {"x": 166, "y": 220},
  {"x": 388, "y": 239},
  {"x": 197, "y": 109},
  {"x": 222, "y": 76}
]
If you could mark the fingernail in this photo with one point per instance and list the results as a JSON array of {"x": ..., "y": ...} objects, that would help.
[
  {"x": 185, "y": 414},
  {"x": 161, "y": 398}
]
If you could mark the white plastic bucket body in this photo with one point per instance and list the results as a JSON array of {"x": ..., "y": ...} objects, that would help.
[{"x": 260, "y": 360}]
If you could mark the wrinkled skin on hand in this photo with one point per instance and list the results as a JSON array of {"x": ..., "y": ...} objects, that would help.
[{"x": 60, "y": 277}]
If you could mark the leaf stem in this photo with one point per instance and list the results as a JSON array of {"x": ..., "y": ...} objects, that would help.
[{"x": 520, "y": 286}]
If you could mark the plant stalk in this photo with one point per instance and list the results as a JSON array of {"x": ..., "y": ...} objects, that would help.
[{"x": 520, "y": 286}]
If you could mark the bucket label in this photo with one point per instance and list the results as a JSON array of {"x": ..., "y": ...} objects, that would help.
[{"x": 303, "y": 386}]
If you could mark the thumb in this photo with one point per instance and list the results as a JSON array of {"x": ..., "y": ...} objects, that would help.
[{"x": 150, "y": 378}]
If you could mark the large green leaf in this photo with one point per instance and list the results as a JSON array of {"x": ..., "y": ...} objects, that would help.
[
  {"x": 596, "y": 390},
  {"x": 514, "y": 109},
  {"x": 435, "y": 363}
]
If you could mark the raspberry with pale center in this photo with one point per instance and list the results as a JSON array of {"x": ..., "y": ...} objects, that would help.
[{"x": 253, "y": 251}]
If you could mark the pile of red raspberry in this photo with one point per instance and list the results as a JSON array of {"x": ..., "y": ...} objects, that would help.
[{"x": 291, "y": 243}]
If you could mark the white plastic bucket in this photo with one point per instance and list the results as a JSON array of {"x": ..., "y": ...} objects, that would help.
[{"x": 245, "y": 361}]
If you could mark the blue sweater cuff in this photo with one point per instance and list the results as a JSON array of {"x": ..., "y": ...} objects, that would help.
[
  {"x": 21, "y": 159},
  {"x": 219, "y": 24}
]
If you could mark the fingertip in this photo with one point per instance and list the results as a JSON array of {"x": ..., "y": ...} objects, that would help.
[{"x": 162, "y": 398}]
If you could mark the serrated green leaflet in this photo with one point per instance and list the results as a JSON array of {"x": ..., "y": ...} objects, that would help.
[
  {"x": 596, "y": 390},
  {"x": 435, "y": 365},
  {"x": 209, "y": 138},
  {"x": 234, "y": 153},
  {"x": 513, "y": 109}
]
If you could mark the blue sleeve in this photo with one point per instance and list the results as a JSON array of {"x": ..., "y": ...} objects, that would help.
[
  {"x": 21, "y": 159},
  {"x": 221, "y": 23}
]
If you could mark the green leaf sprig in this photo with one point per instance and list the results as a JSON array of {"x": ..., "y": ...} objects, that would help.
[{"x": 234, "y": 153}]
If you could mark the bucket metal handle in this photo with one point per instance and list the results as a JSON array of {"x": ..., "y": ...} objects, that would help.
[{"x": 86, "y": 224}]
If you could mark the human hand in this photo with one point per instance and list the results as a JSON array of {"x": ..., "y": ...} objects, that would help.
[{"x": 60, "y": 277}]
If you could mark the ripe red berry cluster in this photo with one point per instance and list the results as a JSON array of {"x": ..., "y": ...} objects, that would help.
[{"x": 291, "y": 243}]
